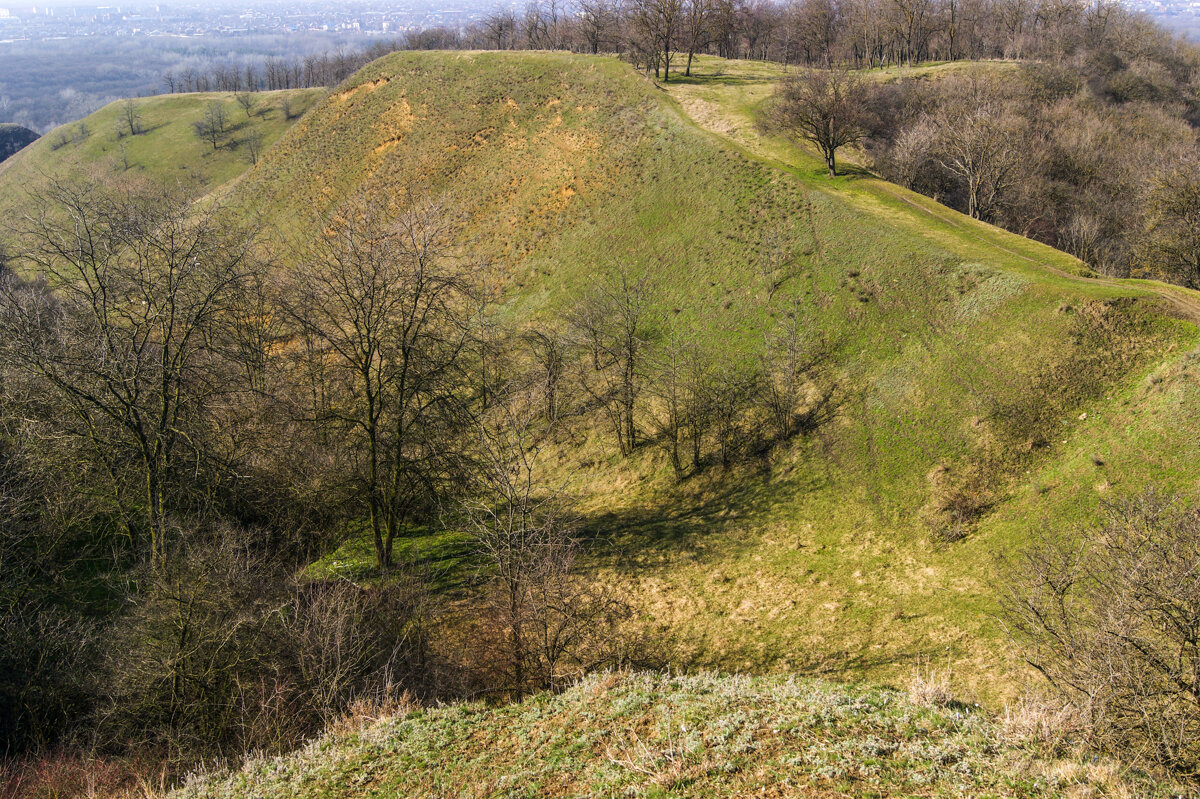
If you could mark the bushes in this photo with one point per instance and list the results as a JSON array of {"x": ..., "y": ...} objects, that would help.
[
  {"x": 222, "y": 653},
  {"x": 958, "y": 498},
  {"x": 1111, "y": 618}
]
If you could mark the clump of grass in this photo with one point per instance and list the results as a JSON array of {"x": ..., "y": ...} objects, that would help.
[{"x": 930, "y": 687}]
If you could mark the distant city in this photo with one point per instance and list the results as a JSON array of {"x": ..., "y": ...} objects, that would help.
[
  {"x": 1180, "y": 15},
  {"x": 39, "y": 23},
  {"x": 45, "y": 22}
]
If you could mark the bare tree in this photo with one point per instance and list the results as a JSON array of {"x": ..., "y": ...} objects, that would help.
[
  {"x": 384, "y": 303},
  {"x": 697, "y": 30},
  {"x": 597, "y": 21},
  {"x": 1111, "y": 618},
  {"x": 657, "y": 25},
  {"x": 799, "y": 388},
  {"x": 549, "y": 348},
  {"x": 825, "y": 107},
  {"x": 211, "y": 126},
  {"x": 501, "y": 28},
  {"x": 246, "y": 101},
  {"x": 616, "y": 322},
  {"x": 254, "y": 145},
  {"x": 133, "y": 119},
  {"x": 128, "y": 339},
  {"x": 980, "y": 145},
  {"x": 1172, "y": 241},
  {"x": 554, "y": 626}
]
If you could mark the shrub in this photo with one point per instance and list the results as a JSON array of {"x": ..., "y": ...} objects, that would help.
[{"x": 1111, "y": 618}]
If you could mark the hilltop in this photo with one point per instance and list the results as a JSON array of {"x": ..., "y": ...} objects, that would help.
[{"x": 701, "y": 735}]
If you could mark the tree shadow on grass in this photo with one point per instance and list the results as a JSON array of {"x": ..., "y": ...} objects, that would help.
[
  {"x": 680, "y": 521},
  {"x": 714, "y": 80}
]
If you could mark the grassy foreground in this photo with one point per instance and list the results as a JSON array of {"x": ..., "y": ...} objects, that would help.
[{"x": 702, "y": 735}]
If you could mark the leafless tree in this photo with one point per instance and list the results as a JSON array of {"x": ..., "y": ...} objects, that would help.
[
  {"x": 799, "y": 389},
  {"x": 142, "y": 281},
  {"x": 978, "y": 143},
  {"x": 211, "y": 126},
  {"x": 550, "y": 349},
  {"x": 553, "y": 625},
  {"x": 501, "y": 28},
  {"x": 254, "y": 146},
  {"x": 657, "y": 25},
  {"x": 133, "y": 119},
  {"x": 386, "y": 307},
  {"x": 246, "y": 101},
  {"x": 615, "y": 323},
  {"x": 598, "y": 21},
  {"x": 697, "y": 31},
  {"x": 825, "y": 107},
  {"x": 1172, "y": 241},
  {"x": 1111, "y": 618}
]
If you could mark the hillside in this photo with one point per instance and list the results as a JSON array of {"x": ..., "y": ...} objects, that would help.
[
  {"x": 166, "y": 146},
  {"x": 980, "y": 387},
  {"x": 14, "y": 138},
  {"x": 966, "y": 351},
  {"x": 684, "y": 736}
]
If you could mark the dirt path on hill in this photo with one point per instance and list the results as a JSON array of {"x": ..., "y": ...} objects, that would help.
[
  {"x": 715, "y": 118},
  {"x": 1178, "y": 300}
]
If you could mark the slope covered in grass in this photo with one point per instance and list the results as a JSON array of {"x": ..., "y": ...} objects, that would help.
[
  {"x": 167, "y": 148},
  {"x": 968, "y": 356},
  {"x": 642, "y": 735},
  {"x": 970, "y": 361}
]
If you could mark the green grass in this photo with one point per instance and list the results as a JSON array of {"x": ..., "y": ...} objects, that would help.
[
  {"x": 958, "y": 341},
  {"x": 167, "y": 149},
  {"x": 703, "y": 735},
  {"x": 445, "y": 559},
  {"x": 960, "y": 346}
]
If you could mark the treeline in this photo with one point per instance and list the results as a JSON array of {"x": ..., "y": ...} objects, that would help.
[
  {"x": 1098, "y": 159},
  {"x": 662, "y": 35},
  {"x": 274, "y": 73},
  {"x": 186, "y": 423}
]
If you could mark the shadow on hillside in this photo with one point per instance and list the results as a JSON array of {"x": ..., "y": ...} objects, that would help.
[
  {"x": 713, "y": 80},
  {"x": 718, "y": 502},
  {"x": 842, "y": 663}
]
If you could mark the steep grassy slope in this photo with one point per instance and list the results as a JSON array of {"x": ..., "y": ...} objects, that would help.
[
  {"x": 695, "y": 736},
  {"x": 967, "y": 354},
  {"x": 167, "y": 148}
]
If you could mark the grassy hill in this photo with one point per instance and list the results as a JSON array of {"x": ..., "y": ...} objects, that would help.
[
  {"x": 968, "y": 354},
  {"x": 702, "y": 735},
  {"x": 165, "y": 148},
  {"x": 972, "y": 361}
]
